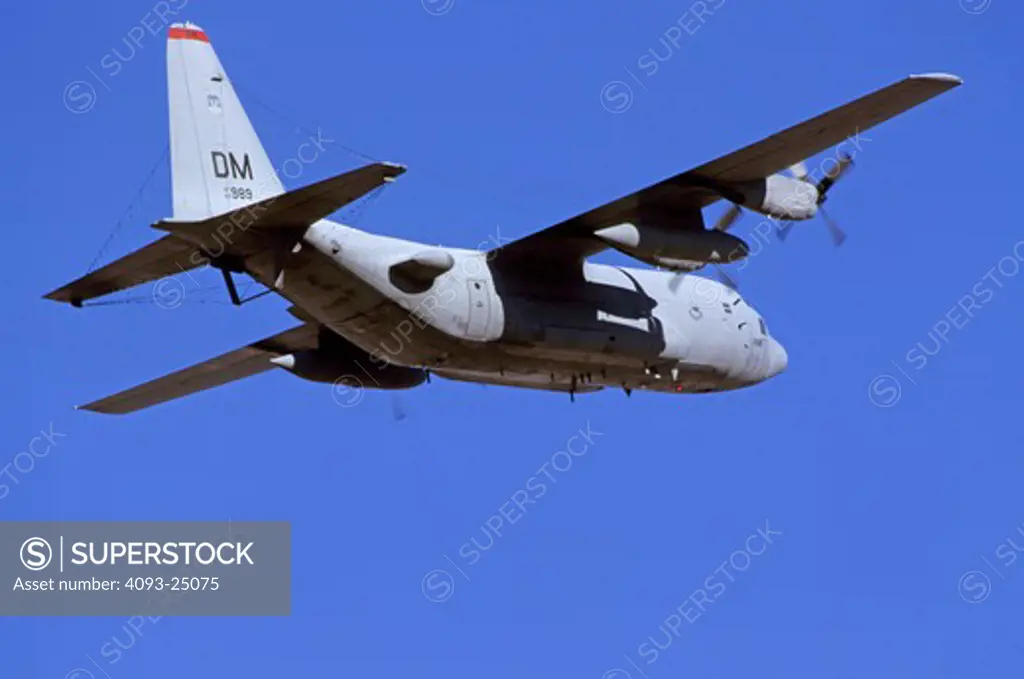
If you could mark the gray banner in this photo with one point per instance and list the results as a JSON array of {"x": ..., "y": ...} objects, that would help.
[{"x": 145, "y": 568}]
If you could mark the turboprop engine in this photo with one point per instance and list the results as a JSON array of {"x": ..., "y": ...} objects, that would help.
[
  {"x": 782, "y": 197},
  {"x": 787, "y": 198},
  {"x": 660, "y": 246}
]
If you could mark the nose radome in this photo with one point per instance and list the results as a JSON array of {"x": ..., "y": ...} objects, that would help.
[{"x": 778, "y": 359}]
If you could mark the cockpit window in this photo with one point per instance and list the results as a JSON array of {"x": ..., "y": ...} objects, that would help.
[{"x": 764, "y": 329}]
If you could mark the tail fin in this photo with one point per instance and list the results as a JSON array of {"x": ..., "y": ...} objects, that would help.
[
  {"x": 218, "y": 168},
  {"x": 217, "y": 162}
]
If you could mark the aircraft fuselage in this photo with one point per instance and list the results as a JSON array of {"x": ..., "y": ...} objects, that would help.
[{"x": 611, "y": 327}]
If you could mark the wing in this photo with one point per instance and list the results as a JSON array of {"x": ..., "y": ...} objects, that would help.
[
  {"x": 234, "y": 365},
  {"x": 240, "y": 233},
  {"x": 680, "y": 199}
]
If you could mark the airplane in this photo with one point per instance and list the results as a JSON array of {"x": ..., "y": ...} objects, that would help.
[{"x": 377, "y": 312}]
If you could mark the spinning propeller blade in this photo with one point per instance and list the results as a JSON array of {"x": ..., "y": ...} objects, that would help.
[
  {"x": 397, "y": 408},
  {"x": 844, "y": 166},
  {"x": 729, "y": 218},
  {"x": 673, "y": 284},
  {"x": 783, "y": 230},
  {"x": 720, "y": 274},
  {"x": 838, "y": 235},
  {"x": 799, "y": 170},
  {"x": 725, "y": 279}
]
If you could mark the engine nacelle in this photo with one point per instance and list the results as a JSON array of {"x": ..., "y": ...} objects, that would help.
[
  {"x": 650, "y": 243},
  {"x": 782, "y": 197},
  {"x": 319, "y": 365}
]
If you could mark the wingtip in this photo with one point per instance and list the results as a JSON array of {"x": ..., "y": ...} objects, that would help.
[
  {"x": 392, "y": 170},
  {"x": 948, "y": 78},
  {"x": 62, "y": 296},
  {"x": 94, "y": 408}
]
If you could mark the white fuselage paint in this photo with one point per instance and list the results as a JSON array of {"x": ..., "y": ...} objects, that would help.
[{"x": 618, "y": 327}]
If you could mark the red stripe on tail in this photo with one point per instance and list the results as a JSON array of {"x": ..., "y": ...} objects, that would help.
[{"x": 187, "y": 34}]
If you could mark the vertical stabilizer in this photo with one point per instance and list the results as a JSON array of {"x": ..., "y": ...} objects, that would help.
[{"x": 217, "y": 162}]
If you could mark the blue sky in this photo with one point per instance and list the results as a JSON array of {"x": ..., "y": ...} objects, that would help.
[{"x": 888, "y": 552}]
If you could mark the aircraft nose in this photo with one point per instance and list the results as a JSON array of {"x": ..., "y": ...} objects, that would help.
[{"x": 778, "y": 359}]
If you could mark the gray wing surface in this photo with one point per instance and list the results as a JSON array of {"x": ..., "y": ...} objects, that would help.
[
  {"x": 234, "y": 365},
  {"x": 679, "y": 199}
]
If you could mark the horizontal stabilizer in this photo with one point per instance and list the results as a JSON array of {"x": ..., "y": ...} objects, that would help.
[
  {"x": 166, "y": 257},
  {"x": 239, "y": 233},
  {"x": 296, "y": 209},
  {"x": 234, "y": 365}
]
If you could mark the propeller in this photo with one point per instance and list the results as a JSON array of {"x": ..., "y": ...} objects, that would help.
[
  {"x": 724, "y": 223},
  {"x": 673, "y": 284},
  {"x": 797, "y": 171},
  {"x": 837, "y": 234},
  {"x": 397, "y": 408},
  {"x": 725, "y": 279},
  {"x": 824, "y": 186},
  {"x": 399, "y": 411},
  {"x": 720, "y": 274}
]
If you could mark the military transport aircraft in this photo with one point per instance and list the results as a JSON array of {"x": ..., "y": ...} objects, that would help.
[{"x": 386, "y": 313}]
